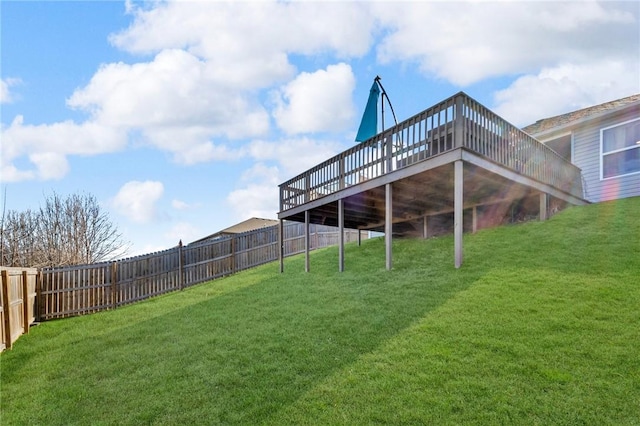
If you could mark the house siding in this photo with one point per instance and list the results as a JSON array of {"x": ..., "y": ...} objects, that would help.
[{"x": 586, "y": 147}]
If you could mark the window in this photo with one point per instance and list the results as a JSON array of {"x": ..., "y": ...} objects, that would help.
[{"x": 620, "y": 149}]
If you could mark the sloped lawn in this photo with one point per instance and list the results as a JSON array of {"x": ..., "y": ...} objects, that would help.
[{"x": 541, "y": 325}]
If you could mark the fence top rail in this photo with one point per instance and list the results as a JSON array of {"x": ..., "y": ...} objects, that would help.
[
  {"x": 52, "y": 269},
  {"x": 148, "y": 255},
  {"x": 18, "y": 269},
  {"x": 271, "y": 228}
]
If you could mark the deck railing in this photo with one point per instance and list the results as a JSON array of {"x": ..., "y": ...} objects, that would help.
[
  {"x": 487, "y": 134},
  {"x": 454, "y": 123}
]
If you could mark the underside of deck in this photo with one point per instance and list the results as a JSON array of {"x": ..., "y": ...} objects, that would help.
[{"x": 426, "y": 190}]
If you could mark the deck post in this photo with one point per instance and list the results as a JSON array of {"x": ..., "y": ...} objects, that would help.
[
  {"x": 474, "y": 219},
  {"x": 388, "y": 153},
  {"x": 306, "y": 241},
  {"x": 281, "y": 245},
  {"x": 458, "y": 139},
  {"x": 543, "y": 206},
  {"x": 457, "y": 211},
  {"x": 425, "y": 227},
  {"x": 307, "y": 189},
  {"x": 388, "y": 225},
  {"x": 341, "y": 235}
]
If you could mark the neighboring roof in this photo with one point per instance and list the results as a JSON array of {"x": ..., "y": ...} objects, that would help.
[
  {"x": 249, "y": 225},
  {"x": 566, "y": 120},
  {"x": 245, "y": 226}
]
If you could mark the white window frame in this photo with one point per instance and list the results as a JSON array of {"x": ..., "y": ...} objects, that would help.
[{"x": 602, "y": 154}]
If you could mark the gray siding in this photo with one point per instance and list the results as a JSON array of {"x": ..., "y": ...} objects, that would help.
[{"x": 586, "y": 155}]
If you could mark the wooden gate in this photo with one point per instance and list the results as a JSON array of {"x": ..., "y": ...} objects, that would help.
[{"x": 17, "y": 303}]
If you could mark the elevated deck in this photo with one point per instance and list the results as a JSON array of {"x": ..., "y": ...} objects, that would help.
[{"x": 414, "y": 171}]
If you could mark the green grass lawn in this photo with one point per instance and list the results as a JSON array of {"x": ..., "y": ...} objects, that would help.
[{"x": 541, "y": 325}]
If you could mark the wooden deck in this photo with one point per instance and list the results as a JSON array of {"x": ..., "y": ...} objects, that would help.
[{"x": 455, "y": 160}]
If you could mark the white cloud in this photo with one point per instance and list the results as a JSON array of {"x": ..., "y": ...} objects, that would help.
[
  {"x": 175, "y": 88},
  {"x": 137, "y": 200},
  {"x": 5, "y": 94},
  {"x": 294, "y": 155},
  {"x": 465, "y": 42},
  {"x": 316, "y": 102},
  {"x": 180, "y": 205},
  {"x": 190, "y": 145},
  {"x": 176, "y": 103},
  {"x": 10, "y": 173},
  {"x": 259, "y": 196},
  {"x": 248, "y": 44},
  {"x": 47, "y": 145},
  {"x": 184, "y": 206},
  {"x": 565, "y": 88},
  {"x": 183, "y": 231},
  {"x": 50, "y": 165}
]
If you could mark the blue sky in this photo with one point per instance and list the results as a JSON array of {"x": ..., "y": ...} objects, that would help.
[{"x": 183, "y": 117}]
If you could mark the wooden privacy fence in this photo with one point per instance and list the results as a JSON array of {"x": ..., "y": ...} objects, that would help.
[
  {"x": 17, "y": 303},
  {"x": 83, "y": 289}
]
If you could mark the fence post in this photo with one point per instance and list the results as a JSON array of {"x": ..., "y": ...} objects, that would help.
[
  {"x": 38, "y": 314},
  {"x": 114, "y": 285},
  {"x": 6, "y": 309},
  {"x": 25, "y": 302},
  {"x": 233, "y": 253},
  {"x": 180, "y": 266},
  {"x": 281, "y": 245}
]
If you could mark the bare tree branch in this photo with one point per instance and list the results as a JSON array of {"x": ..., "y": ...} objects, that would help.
[{"x": 69, "y": 231}]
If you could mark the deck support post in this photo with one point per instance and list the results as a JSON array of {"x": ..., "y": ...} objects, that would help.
[
  {"x": 458, "y": 211},
  {"x": 474, "y": 219},
  {"x": 543, "y": 206},
  {"x": 388, "y": 225},
  {"x": 281, "y": 245},
  {"x": 307, "y": 245},
  {"x": 359, "y": 237},
  {"x": 425, "y": 227},
  {"x": 341, "y": 235}
]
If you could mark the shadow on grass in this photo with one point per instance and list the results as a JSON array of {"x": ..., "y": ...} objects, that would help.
[{"x": 243, "y": 355}]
